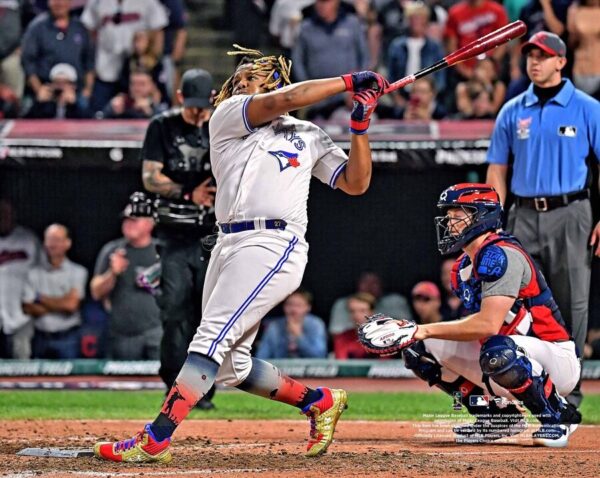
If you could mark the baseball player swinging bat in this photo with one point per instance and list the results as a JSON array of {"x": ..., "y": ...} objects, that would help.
[{"x": 488, "y": 42}]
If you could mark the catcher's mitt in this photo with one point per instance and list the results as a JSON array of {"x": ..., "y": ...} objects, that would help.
[{"x": 383, "y": 335}]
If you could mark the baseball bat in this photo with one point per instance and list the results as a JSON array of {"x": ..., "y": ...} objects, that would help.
[{"x": 481, "y": 45}]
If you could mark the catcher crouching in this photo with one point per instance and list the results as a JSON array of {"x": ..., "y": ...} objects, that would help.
[{"x": 514, "y": 345}]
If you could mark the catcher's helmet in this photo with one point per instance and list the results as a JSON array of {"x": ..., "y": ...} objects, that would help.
[{"x": 482, "y": 205}]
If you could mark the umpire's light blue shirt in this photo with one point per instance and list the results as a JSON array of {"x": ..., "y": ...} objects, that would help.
[{"x": 550, "y": 143}]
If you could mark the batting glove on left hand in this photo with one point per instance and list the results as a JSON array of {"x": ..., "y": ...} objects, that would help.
[
  {"x": 365, "y": 80},
  {"x": 365, "y": 103}
]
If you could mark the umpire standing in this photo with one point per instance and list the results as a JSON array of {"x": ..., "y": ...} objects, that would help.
[
  {"x": 176, "y": 166},
  {"x": 552, "y": 131}
]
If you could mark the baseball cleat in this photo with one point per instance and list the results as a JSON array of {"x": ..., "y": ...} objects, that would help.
[
  {"x": 490, "y": 428},
  {"x": 324, "y": 415},
  {"x": 142, "y": 448},
  {"x": 553, "y": 436}
]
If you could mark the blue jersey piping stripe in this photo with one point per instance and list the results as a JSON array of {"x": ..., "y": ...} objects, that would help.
[
  {"x": 252, "y": 296},
  {"x": 336, "y": 173},
  {"x": 245, "y": 113}
]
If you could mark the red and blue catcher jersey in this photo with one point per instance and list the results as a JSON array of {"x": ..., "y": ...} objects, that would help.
[{"x": 534, "y": 298}]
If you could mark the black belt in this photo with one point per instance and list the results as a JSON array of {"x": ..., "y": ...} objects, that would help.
[
  {"x": 233, "y": 227},
  {"x": 543, "y": 204}
]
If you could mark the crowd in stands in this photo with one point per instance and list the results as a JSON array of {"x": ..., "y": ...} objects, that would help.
[
  {"x": 90, "y": 59},
  {"x": 121, "y": 58},
  {"x": 124, "y": 54}
]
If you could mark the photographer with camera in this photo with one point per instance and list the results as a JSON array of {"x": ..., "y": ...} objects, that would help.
[
  {"x": 176, "y": 167},
  {"x": 59, "y": 99}
]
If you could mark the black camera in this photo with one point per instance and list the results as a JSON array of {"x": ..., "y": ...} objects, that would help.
[{"x": 141, "y": 205}]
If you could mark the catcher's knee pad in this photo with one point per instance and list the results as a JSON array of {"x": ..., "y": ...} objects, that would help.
[
  {"x": 501, "y": 361},
  {"x": 422, "y": 363}
]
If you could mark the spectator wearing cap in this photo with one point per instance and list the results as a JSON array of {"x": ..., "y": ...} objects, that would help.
[
  {"x": 58, "y": 99},
  {"x": 176, "y": 167},
  {"x": 427, "y": 302},
  {"x": 134, "y": 326},
  {"x": 113, "y": 24},
  {"x": 550, "y": 130},
  {"x": 52, "y": 296},
  {"x": 52, "y": 38},
  {"x": 143, "y": 99}
]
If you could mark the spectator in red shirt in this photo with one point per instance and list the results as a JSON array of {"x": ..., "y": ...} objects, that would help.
[
  {"x": 345, "y": 344},
  {"x": 469, "y": 20}
]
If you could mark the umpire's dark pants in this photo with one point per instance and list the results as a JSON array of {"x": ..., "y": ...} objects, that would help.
[
  {"x": 558, "y": 240},
  {"x": 184, "y": 263}
]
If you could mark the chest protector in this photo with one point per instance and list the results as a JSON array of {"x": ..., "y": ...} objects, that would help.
[{"x": 534, "y": 313}]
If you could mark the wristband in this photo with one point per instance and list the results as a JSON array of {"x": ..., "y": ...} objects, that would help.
[
  {"x": 359, "y": 127},
  {"x": 348, "y": 82}
]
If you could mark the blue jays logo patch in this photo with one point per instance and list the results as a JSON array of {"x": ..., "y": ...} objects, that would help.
[{"x": 285, "y": 159}]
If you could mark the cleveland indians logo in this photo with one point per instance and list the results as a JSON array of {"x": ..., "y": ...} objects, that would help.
[{"x": 285, "y": 159}]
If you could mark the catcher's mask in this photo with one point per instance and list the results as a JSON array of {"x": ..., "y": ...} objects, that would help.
[{"x": 480, "y": 203}]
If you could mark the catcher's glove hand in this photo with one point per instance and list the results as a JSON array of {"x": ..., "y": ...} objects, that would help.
[{"x": 383, "y": 335}]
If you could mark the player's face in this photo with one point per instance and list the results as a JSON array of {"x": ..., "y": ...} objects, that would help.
[
  {"x": 359, "y": 311},
  {"x": 458, "y": 220},
  {"x": 246, "y": 81},
  {"x": 544, "y": 69}
]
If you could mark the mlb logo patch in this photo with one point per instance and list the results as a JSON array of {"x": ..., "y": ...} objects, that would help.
[
  {"x": 568, "y": 131},
  {"x": 479, "y": 400}
]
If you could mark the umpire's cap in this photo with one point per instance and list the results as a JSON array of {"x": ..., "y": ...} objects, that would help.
[
  {"x": 197, "y": 88},
  {"x": 546, "y": 41}
]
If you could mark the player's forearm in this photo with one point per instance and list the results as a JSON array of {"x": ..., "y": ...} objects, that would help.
[
  {"x": 268, "y": 106},
  {"x": 156, "y": 182},
  {"x": 496, "y": 176},
  {"x": 464, "y": 330},
  {"x": 357, "y": 175},
  {"x": 102, "y": 285}
]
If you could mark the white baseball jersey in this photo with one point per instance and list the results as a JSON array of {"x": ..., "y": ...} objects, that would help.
[
  {"x": 265, "y": 172},
  {"x": 19, "y": 252},
  {"x": 261, "y": 173}
]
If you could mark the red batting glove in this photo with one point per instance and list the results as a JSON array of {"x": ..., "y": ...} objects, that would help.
[{"x": 365, "y": 103}]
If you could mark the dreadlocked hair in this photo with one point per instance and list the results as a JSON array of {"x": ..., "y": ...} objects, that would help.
[{"x": 277, "y": 69}]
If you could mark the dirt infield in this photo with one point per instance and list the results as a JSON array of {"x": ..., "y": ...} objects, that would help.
[{"x": 224, "y": 448}]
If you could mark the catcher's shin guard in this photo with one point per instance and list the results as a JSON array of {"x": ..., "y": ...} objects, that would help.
[
  {"x": 502, "y": 361},
  {"x": 492, "y": 421}
]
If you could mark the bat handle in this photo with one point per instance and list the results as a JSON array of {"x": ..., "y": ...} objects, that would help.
[{"x": 396, "y": 85}]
